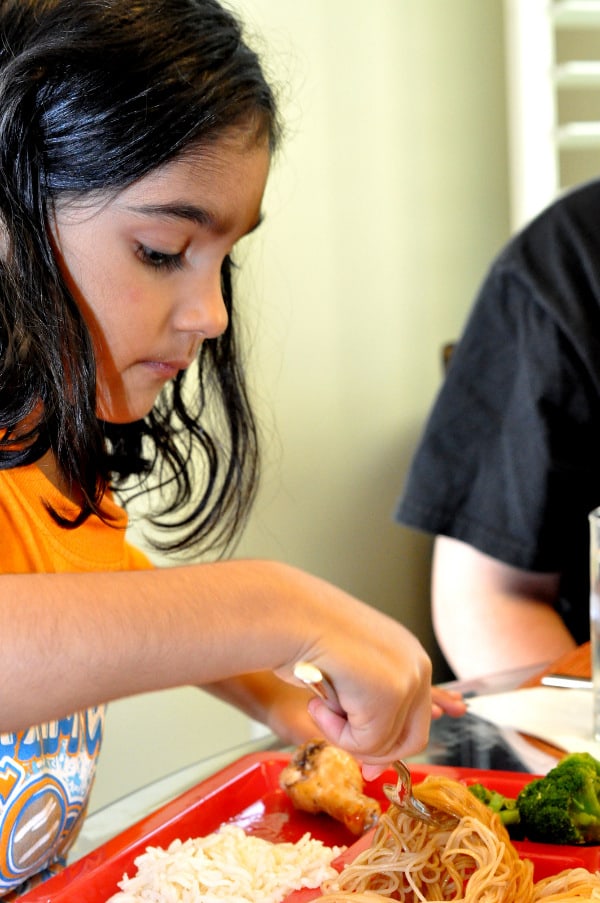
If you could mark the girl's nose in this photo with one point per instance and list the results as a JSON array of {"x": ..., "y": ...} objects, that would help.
[{"x": 203, "y": 311}]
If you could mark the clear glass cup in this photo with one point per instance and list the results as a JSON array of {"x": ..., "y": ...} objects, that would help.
[{"x": 594, "y": 518}]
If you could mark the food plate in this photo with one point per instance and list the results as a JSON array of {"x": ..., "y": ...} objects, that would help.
[{"x": 247, "y": 794}]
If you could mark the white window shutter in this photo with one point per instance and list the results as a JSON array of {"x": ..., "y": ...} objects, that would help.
[{"x": 553, "y": 84}]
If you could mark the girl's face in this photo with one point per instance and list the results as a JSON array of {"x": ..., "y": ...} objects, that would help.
[{"x": 145, "y": 266}]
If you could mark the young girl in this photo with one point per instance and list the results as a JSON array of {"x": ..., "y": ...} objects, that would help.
[{"x": 135, "y": 143}]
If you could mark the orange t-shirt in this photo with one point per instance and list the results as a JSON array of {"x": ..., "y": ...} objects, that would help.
[
  {"x": 47, "y": 771},
  {"x": 32, "y": 541}
]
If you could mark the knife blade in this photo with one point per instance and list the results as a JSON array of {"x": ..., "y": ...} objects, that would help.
[{"x": 567, "y": 681}]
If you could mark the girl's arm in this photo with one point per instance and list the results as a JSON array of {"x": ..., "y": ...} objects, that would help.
[
  {"x": 283, "y": 708},
  {"x": 74, "y": 640}
]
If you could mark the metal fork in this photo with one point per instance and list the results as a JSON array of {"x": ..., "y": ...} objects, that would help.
[
  {"x": 319, "y": 683},
  {"x": 402, "y": 796}
]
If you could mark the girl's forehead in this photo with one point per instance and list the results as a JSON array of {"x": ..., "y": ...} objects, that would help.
[
  {"x": 232, "y": 164},
  {"x": 223, "y": 156},
  {"x": 215, "y": 170},
  {"x": 220, "y": 188}
]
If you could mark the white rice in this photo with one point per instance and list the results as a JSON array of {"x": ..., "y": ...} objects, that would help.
[{"x": 227, "y": 865}]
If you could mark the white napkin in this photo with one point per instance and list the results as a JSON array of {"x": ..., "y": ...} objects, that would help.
[{"x": 558, "y": 716}]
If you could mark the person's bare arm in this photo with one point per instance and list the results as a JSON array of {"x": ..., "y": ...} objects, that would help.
[
  {"x": 489, "y": 616},
  {"x": 74, "y": 640},
  {"x": 275, "y": 703}
]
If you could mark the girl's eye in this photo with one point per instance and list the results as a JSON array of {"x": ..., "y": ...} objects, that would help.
[{"x": 158, "y": 260}]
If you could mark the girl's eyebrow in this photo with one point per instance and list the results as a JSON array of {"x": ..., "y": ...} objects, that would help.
[{"x": 191, "y": 212}]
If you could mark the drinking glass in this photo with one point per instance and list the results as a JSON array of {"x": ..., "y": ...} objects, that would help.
[{"x": 594, "y": 518}]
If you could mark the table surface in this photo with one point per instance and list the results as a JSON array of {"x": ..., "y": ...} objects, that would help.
[{"x": 468, "y": 742}]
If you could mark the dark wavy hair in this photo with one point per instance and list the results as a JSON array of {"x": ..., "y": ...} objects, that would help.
[{"x": 95, "y": 94}]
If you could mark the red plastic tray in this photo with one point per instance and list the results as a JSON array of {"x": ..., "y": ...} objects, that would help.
[{"x": 247, "y": 793}]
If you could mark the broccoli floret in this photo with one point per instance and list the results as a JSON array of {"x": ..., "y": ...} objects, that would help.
[
  {"x": 503, "y": 805},
  {"x": 564, "y": 806}
]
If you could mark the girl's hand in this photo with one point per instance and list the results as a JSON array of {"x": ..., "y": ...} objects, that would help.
[{"x": 381, "y": 674}]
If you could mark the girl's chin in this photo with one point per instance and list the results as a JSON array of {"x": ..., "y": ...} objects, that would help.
[
  {"x": 123, "y": 414},
  {"x": 130, "y": 401}
]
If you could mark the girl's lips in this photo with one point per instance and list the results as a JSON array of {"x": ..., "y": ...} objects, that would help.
[{"x": 166, "y": 369}]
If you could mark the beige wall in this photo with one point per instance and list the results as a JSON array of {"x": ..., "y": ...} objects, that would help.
[{"x": 386, "y": 203}]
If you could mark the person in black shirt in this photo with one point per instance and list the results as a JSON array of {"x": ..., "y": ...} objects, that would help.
[{"x": 508, "y": 467}]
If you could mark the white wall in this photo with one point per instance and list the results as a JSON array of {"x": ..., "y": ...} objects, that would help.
[
  {"x": 385, "y": 205},
  {"x": 384, "y": 208}
]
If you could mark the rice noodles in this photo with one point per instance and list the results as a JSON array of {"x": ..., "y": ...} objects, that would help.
[{"x": 471, "y": 861}]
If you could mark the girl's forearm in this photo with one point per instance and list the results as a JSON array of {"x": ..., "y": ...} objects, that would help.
[{"x": 72, "y": 641}]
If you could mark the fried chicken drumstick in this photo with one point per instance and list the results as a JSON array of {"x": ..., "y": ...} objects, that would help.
[{"x": 323, "y": 778}]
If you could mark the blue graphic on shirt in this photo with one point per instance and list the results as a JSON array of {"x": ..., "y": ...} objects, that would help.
[{"x": 46, "y": 775}]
